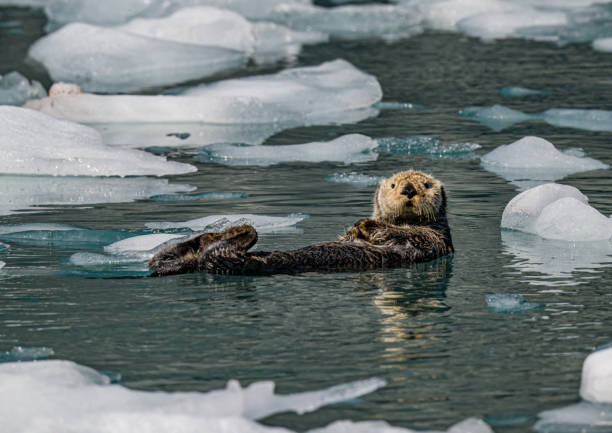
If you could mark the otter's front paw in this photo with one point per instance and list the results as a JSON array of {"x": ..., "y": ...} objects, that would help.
[{"x": 367, "y": 227}]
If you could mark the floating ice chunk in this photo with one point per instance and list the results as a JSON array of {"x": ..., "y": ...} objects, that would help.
[
  {"x": 347, "y": 149},
  {"x": 140, "y": 243},
  {"x": 262, "y": 223},
  {"x": 353, "y": 178},
  {"x": 19, "y": 353},
  {"x": 603, "y": 44},
  {"x": 66, "y": 238},
  {"x": 596, "y": 383},
  {"x": 38, "y": 144},
  {"x": 110, "y": 60},
  {"x": 388, "y": 22},
  {"x": 496, "y": 117},
  {"x": 194, "y": 196},
  {"x": 555, "y": 212},
  {"x": 522, "y": 212},
  {"x": 505, "y": 24},
  {"x": 15, "y": 89},
  {"x": 2, "y": 264},
  {"x": 427, "y": 145},
  {"x": 120, "y": 410},
  {"x": 590, "y": 120},
  {"x": 519, "y": 92},
  {"x": 444, "y": 15},
  {"x": 534, "y": 158},
  {"x": 334, "y": 91},
  {"x": 510, "y": 304},
  {"x": 29, "y": 193},
  {"x": 470, "y": 425},
  {"x": 274, "y": 41}
]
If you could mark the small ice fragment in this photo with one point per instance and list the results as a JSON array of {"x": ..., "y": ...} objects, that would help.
[
  {"x": 510, "y": 304},
  {"x": 347, "y": 149},
  {"x": 140, "y": 243},
  {"x": 353, "y": 178},
  {"x": 496, "y": 117},
  {"x": 260, "y": 222},
  {"x": 19, "y": 353},
  {"x": 590, "y": 120},
  {"x": 15, "y": 89},
  {"x": 596, "y": 383},
  {"x": 603, "y": 44},
  {"x": 388, "y": 105},
  {"x": 519, "y": 92},
  {"x": 534, "y": 158},
  {"x": 194, "y": 196},
  {"x": 2, "y": 264}
]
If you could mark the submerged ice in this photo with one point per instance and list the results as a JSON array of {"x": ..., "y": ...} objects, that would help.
[
  {"x": 536, "y": 159},
  {"x": 557, "y": 212},
  {"x": 510, "y": 304}
]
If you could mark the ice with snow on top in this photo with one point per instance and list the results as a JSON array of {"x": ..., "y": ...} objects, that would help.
[
  {"x": 353, "y": 178},
  {"x": 35, "y": 143},
  {"x": 519, "y": 92},
  {"x": 594, "y": 413},
  {"x": 347, "y": 149},
  {"x": 244, "y": 110},
  {"x": 556, "y": 212},
  {"x": 510, "y": 303},
  {"x": 534, "y": 158},
  {"x": 103, "y": 59},
  {"x": 262, "y": 223},
  {"x": 15, "y": 89},
  {"x": 603, "y": 44}
]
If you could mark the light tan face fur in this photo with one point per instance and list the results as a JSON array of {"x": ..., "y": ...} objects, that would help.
[{"x": 408, "y": 197}]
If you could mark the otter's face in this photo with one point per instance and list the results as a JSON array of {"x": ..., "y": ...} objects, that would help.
[{"x": 409, "y": 197}]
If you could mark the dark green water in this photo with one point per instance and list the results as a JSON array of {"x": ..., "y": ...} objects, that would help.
[{"x": 425, "y": 329}]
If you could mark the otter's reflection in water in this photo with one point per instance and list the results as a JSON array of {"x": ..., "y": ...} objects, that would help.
[
  {"x": 411, "y": 302},
  {"x": 556, "y": 263}
]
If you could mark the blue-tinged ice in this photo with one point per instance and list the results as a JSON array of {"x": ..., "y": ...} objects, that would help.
[
  {"x": 30, "y": 227},
  {"x": 35, "y": 143},
  {"x": 557, "y": 212},
  {"x": 510, "y": 303},
  {"x": 353, "y": 178},
  {"x": 520, "y": 92},
  {"x": 594, "y": 413},
  {"x": 195, "y": 196},
  {"x": 2, "y": 264},
  {"x": 430, "y": 146},
  {"x": 75, "y": 238},
  {"x": 603, "y": 44},
  {"x": 122, "y": 410},
  {"x": 533, "y": 160},
  {"x": 19, "y": 353},
  {"x": 348, "y": 149},
  {"x": 496, "y": 117},
  {"x": 15, "y": 89},
  {"x": 215, "y": 223}
]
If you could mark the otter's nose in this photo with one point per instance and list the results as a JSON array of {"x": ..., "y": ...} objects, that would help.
[{"x": 409, "y": 190}]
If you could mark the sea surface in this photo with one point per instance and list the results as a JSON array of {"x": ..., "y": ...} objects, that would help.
[{"x": 425, "y": 329}]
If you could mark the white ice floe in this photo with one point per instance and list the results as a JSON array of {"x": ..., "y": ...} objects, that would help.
[
  {"x": 105, "y": 59},
  {"x": 536, "y": 159},
  {"x": 498, "y": 117},
  {"x": 15, "y": 89},
  {"x": 140, "y": 243},
  {"x": 557, "y": 212},
  {"x": 510, "y": 303},
  {"x": 353, "y": 178},
  {"x": 249, "y": 108},
  {"x": 223, "y": 28},
  {"x": 89, "y": 402},
  {"x": 35, "y": 143},
  {"x": 519, "y": 92},
  {"x": 603, "y": 44},
  {"x": 347, "y": 149},
  {"x": 594, "y": 414},
  {"x": 29, "y": 193},
  {"x": 262, "y": 223}
]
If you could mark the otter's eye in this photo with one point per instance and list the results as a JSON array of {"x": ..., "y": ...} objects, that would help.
[
  {"x": 428, "y": 185},
  {"x": 392, "y": 185}
]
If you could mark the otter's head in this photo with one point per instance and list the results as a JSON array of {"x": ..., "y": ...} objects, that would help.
[{"x": 410, "y": 197}]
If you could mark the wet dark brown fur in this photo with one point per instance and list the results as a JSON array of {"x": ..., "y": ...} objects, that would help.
[{"x": 409, "y": 225}]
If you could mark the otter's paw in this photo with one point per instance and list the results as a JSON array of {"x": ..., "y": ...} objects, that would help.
[
  {"x": 367, "y": 228},
  {"x": 241, "y": 237}
]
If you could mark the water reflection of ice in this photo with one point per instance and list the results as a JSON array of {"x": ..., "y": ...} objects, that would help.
[{"x": 556, "y": 263}]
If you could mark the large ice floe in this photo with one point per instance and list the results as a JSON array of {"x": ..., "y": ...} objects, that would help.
[
  {"x": 347, "y": 149},
  {"x": 262, "y": 223},
  {"x": 558, "y": 212},
  {"x": 594, "y": 413},
  {"x": 245, "y": 110},
  {"x": 15, "y": 89},
  {"x": 498, "y": 117},
  {"x": 47, "y": 161},
  {"x": 91, "y": 403},
  {"x": 534, "y": 160}
]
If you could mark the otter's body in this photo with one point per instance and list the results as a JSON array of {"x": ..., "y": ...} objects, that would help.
[{"x": 408, "y": 225}]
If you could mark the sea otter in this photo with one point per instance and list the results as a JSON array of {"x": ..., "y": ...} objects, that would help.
[{"x": 409, "y": 225}]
